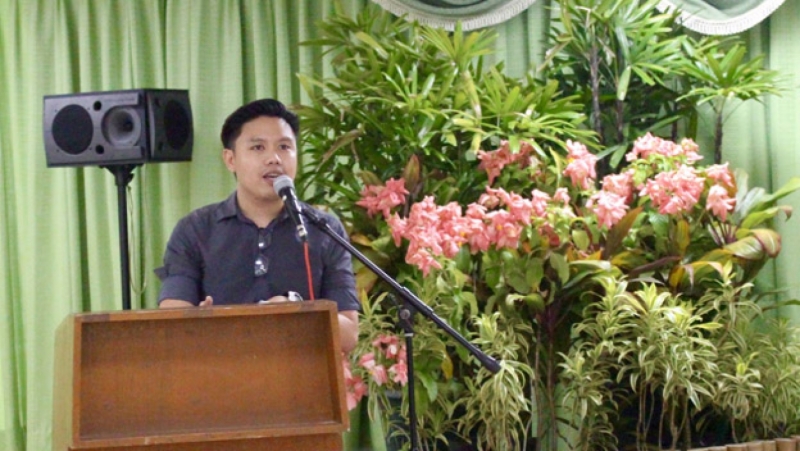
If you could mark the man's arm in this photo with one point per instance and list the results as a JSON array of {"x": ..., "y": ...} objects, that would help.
[{"x": 348, "y": 329}]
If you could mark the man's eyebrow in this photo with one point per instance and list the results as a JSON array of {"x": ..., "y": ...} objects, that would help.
[{"x": 257, "y": 139}]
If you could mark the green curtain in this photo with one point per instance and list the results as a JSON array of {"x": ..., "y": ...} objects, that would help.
[{"x": 58, "y": 227}]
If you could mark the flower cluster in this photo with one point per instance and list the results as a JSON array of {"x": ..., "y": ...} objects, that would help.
[
  {"x": 354, "y": 386},
  {"x": 660, "y": 174},
  {"x": 392, "y": 353},
  {"x": 581, "y": 168},
  {"x": 496, "y": 220},
  {"x": 494, "y": 162},
  {"x": 387, "y": 363},
  {"x": 383, "y": 198}
]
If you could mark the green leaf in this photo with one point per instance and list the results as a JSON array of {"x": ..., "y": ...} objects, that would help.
[
  {"x": 624, "y": 81},
  {"x": 431, "y": 386},
  {"x": 791, "y": 186},
  {"x": 516, "y": 279},
  {"x": 581, "y": 239},
  {"x": 748, "y": 248},
  {"x": 534, "y": 273},
  {"x": 770, "y": 241},
  {"x": 681, "y": 237},
  {"x": 619, "y": 231},
  {"x": 370, "y": 41},
  {"x": 757, "y": 218},
  {"x": 560, "y": 265}
]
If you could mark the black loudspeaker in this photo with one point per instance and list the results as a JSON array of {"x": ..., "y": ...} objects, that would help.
[{"x": 118, "y": 127}]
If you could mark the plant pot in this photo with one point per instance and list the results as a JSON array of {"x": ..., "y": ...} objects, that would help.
[
  {"x": 755, "y": 446},
  {"x": 785, "y": 444}
]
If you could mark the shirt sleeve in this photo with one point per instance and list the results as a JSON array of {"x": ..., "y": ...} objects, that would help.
[
  {"x": 182, "y": 271},
  {"x": 338, "y": 280}
]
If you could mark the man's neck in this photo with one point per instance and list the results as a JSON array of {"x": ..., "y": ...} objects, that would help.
[{"x": 261, "y": 212}]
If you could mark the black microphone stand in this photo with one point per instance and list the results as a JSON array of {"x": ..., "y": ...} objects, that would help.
[
  {"x": 411, "y": 304},
  {"x": 123, "y": 174}
]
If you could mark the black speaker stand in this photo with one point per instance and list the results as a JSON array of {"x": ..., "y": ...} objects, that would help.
[{"x": 123, "y": 174}]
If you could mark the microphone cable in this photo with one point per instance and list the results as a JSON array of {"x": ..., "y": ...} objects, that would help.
[{"x": 308, "y": 272}]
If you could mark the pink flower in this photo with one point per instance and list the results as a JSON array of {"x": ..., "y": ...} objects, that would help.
[
  {"x": 648, "y": 145},
  {"x": 609, "y": 207},
  {"x": 492, "y": 198},
  {"x": 493, "y": 162},
  {"x": 367, "y": 360},
  {"x": 398, "y": 228},
  {"x": 581, "y": 167},
  {"x": 620, "y": 184},
  {"x": 719, "y": 202},
  {"x": 689, "y": 149},
  {"x": 452, "y": 228},
  {"x": 674, "y": 191},
  {"x": 720, "y": 174},
  {"x": 385, "y": 341},
  {"x": 399, "y": 372},
  {"x": 479, "y": 236},
  {"x": 383, "y": 198},
  {"x": 561, "y": 195},
  {"x": 354, "y": 391},
  {"x": 355, "y": 388},
  {"x": 539, "y": 200},
  {"x": 379, "y": 374},
  {"x": 505, "y": 229}
]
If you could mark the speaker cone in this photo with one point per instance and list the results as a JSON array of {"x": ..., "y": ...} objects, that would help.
[
  {"x": 72, "y": 129},
  {"x": 122, "y": 126}
]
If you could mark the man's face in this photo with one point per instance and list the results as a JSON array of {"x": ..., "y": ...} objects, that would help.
[{"x": 265, "y": 149}]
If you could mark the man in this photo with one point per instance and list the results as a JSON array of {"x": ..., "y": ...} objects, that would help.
[{"x": 245, "y": 249}]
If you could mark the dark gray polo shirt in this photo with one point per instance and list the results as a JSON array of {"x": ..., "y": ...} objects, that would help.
[{"x": 216, "y": 251}]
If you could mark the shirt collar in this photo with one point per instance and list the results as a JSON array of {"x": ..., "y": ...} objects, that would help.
[{"x": 229, "y": 208}]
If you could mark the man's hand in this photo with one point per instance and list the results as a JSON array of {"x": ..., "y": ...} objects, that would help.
[
  {"x": 177, "y": 303},
  {"x": 275, "y": 299}
]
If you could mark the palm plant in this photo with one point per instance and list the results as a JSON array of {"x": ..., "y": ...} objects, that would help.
[
  {"x": 720, "y": 75},
  {"x": 621, "y": 59}
]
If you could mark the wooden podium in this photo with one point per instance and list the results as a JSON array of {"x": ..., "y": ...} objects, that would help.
[{"x": 265, "y": 377}]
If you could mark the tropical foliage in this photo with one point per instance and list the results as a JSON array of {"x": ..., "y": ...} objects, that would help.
[{"x": 603, "y": 265}]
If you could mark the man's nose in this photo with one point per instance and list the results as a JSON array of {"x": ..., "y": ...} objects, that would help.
[{"x": 272, "y": 157}]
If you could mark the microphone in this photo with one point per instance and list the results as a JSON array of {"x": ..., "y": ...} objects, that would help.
[{"x": 285, "y": 188}]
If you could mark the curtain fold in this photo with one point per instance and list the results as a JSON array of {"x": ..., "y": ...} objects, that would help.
[{"x": 59, "y": 249}]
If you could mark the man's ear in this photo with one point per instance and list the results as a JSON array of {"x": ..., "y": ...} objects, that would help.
[{"x": 228, "y": 156}]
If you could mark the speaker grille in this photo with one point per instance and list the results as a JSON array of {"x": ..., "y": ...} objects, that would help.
[
  {"x": 72, "y": 129},
  {"x": 177, "y": 124}
]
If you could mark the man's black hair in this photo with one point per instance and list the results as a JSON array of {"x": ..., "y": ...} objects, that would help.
[{"x": 232, "y": 127}]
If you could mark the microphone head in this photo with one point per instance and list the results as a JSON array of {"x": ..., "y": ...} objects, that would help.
[{"x": 283, "y": 183}]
